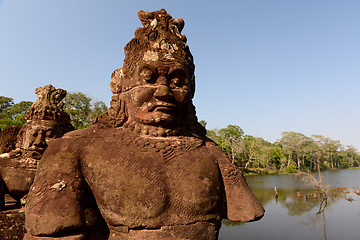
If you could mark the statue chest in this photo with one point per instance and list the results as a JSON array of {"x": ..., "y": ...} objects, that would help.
[{"x": 151, "y": 184}]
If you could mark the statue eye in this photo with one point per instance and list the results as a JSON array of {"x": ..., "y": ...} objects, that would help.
[
  {"x": 33, "y": 133},
  {"x": 50, "y": 134},
  {"x": 146, "y": 74},
  {"x": 176, "y": 82},
  {"x": 178, "y": 79}
]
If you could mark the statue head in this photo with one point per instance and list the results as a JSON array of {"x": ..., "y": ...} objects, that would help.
[
  {"x": 36, "y": 135},
  {"x": 153, "y": 91},
  {"x": 46, "y": 120}
]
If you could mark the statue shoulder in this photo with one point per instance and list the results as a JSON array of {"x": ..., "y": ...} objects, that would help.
[
  {"x": 80, "y": 133},
  {"x": 214, "y": 148},
  {"x": 93, "y": 132}
]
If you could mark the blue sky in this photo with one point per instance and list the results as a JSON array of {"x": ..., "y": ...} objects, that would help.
[{"x": 266, "y": 66}]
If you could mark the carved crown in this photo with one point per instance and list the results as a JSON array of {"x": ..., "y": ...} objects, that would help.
[
  {"x": 49, "y": 105},
  {"x": 159, "y": 40}
]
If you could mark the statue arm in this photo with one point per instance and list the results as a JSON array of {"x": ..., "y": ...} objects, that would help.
[
  {"x": 74, "y": 237},
  {"x": 241, "y": 203},
  {"x": 54, "y": 206}
]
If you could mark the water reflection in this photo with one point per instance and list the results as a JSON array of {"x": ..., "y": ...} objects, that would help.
[{"x": 299, "y": 212}]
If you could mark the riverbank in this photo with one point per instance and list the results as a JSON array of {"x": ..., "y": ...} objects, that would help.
[{"x": 264, "y": 171}]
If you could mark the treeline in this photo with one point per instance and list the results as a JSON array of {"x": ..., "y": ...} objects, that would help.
[
  {"x": 293, "y": 152},
  {"x": 80, "y": 107},
  {"x": 11, "y": 113}
]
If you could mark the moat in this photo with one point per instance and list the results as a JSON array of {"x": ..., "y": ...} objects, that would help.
[{"x": 293, "y": 216}]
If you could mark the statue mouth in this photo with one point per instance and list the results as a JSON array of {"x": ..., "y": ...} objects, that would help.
[
  {"x": 37, "y": 149},
  {"x": 163, "y": 107}
]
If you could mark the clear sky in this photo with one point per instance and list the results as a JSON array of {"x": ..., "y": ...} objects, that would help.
[{"x": 266, "y": 66}]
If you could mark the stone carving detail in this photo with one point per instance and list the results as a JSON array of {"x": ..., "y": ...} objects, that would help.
[
  {"x": 144, "y": 169},
  {"x": 8, "y": 138},
  {"x": 49, "y": 105},
  {"x": 46, "y": 120}
]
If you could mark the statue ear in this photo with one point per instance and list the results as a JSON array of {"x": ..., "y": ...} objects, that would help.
[
  {"x": 116, "y": 81},
  {"x": 19, "y": 138},
  {"x": 114, "y": 89}
]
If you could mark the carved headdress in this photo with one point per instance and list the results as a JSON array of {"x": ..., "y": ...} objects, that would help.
[
  {"x": 48, "y": 106},
  {"x": 159, "y": 40}
]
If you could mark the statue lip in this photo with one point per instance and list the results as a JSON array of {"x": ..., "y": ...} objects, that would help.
[
  {"x": 36, "y": 149},
  {"x": 164, "y": 107}
]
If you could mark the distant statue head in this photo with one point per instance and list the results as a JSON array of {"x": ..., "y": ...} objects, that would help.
[
  {"x": 153, "y": 90},
  {"x": 46, "y": 120}
]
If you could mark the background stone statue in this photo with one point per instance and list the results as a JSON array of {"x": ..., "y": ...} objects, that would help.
[
  {"x": 8, "y": 138},
  {"x": 144, "y": 169},
  {"x": 46, "y": 120}
]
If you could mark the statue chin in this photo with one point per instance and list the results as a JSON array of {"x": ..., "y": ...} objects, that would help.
[{"x": 36, "y": 154}]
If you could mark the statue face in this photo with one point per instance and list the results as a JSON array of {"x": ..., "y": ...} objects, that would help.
[
  {"x": 161, "y": 94},
  {"x": 39, "y": 133}
]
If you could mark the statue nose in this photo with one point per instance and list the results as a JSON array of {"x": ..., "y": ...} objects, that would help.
[
  {"x": 40, "y": 140},
  {"x": 163, "y": 92},
  {"x": 162, "y": 80}
]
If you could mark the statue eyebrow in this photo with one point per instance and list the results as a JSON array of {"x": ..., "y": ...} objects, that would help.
[
  {"x": 144, "y": 66},
  {"x": 177, "y": 69}
]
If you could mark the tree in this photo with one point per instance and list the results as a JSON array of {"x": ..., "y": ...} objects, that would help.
[
  {"x": 203, "y": 123},
  {"x": 295, "y": 145},
  {"x": 98, "y": 108},
  {"x": 332, "y": 147},
  {"x": 294, "y": 150},
  {"x": 19, "y": 110},
  {"x": 5, "y": 105},
  {"x": 353, "y": 156},
  {"x": 12, "y": 114},
  {"x": 251, "y": 148},
  {"x": 232, "y": 141},
  {"x": 318, "y": 153},
  {"x": 81, "y": 110}
]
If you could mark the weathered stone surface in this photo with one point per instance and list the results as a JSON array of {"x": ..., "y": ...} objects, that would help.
[
  {"x": 8, "y": 138},
  {"x": 46, "y": 120},
  {"x": 12, "y": 224},
  {"x": 144, "y": 169}
]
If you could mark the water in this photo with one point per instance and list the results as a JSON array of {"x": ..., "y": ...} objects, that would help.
[{"x": 293, "y": 217}]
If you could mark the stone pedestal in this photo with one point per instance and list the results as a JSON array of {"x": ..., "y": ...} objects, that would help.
[{"x": 12, "y": 223}]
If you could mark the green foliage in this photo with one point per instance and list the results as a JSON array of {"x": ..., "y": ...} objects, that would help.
[
  {"x": 9, "y": 122},
  {"x": 77, "y": 105},
  {"x": 12, "y": 114},
  {"x": 82, "y": 109},
  {"x": 230, "y": 139},
  {"x": 19, "y": 110},
  {"x": 275, "y": 156},
  {"x": 294, "y": 152},
  {"x": 97, "y": 109},
  {"x": 291, "y": 169},
  {"x": 203, "y": 123},
  {"x": 5, "y": 105}
]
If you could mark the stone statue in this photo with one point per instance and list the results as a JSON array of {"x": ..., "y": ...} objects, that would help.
[
  {"x": 144, "y": 169},
  {"x": 46, "y": 120},
  {"x": 8, "y": 138}
]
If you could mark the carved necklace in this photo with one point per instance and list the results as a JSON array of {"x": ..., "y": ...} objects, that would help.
[
  {"x": 150, "y": 130},
  {"x": 165, "y": 141}
]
